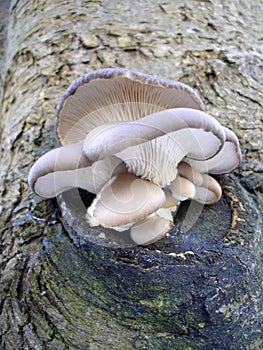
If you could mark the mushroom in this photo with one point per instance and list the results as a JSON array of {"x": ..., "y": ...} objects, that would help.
[
  {"x": 64, "y": 168},
  {"x": 116, "y": 95},
  {"x": 123, "y": 201},
  {"x": 206, "y": 189},
  {"x": 152, "y": 228},
  {"x": 226, "y": 160},
  {"x": 209, "y": 192},
  {"x": 69, "y": 157},
  {"x": 190, "y": 124},
  {"x": 186, "y": 171},
  {"x": 189, "y": 133},
  {"x": 99, "y": 97},
  {"x": 182, "y": 189},
  {"x": 141, "y": 144}
]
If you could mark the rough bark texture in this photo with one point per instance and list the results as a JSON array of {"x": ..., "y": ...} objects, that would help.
[{"x": 200, "y": 289}]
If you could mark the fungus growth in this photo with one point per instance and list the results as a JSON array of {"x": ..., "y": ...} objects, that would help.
[{"x": 139, "y": 143}]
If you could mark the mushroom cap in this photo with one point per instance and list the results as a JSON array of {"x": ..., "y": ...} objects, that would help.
[
  {"x": 186, "y": 171},
  {"x": 209, "y": 192},
  {"x": 182, "y": 189},
  {"x": 69, "y": 157},
  {"x": 90, "y": 178},
  {"x": 226, "y": 160},
  {"x": 152, "y": 228},
  {"x": 115, "y": 94},
  {"x": 125, "y": 199}
]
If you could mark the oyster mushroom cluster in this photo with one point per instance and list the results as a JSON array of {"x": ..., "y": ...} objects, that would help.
[{"x": 141, "y": 144}]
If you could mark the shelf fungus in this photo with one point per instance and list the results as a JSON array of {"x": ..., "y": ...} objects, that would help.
[{"x": 139, "y": 143}]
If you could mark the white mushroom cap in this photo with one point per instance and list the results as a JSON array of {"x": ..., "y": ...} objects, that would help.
[
  {"x": 226, "y": 160},
  {"x": 125, "y": 199},
  {"x": 110, "y": 95},
  {"x": 186, "y": 171},
  {"x": 152, "y": 228},
  {"x": 209, "y": 192},
  {"x": 182, "y": 189}
]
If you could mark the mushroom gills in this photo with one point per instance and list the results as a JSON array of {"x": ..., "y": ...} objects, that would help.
[
  {"x": 114, "y": 94},
  {"x": 157, "y": 160}
]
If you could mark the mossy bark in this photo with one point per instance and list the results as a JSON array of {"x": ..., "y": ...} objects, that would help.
[{"x": 195, "y": 289}]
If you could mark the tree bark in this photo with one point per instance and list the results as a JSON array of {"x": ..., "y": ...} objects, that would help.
[{"x": 196, "y": 289}]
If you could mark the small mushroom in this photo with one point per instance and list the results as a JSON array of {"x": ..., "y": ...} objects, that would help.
[
  {"x": 209, "y": 192},
  {"x": 152, "y": 228},
  {"x": 182, "y": 189},
  {"x": 69, "y": 157},
  {"x": 188, "y": 172},
  {"x": 58, "y": 171},
  {"x": 124, "y": 200}
]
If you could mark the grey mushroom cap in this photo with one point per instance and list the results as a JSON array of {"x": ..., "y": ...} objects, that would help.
[
  {"x": 67, "y": 167},
  {"x": 209, "y": 192},
  {"x": 196, "y": 125},
  {"x": 69, "y": 157},
  {"x": 225, "y": 161},
  {"x": 115, "y": 94}
]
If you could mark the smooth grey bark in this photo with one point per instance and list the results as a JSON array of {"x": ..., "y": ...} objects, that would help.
[{"x": 200, "y": 289}]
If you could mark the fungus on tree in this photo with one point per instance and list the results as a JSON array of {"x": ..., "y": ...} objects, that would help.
[{"x": 141, "y": 144}]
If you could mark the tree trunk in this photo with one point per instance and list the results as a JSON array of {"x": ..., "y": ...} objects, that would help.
[{"x": 199, "y": 288}]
